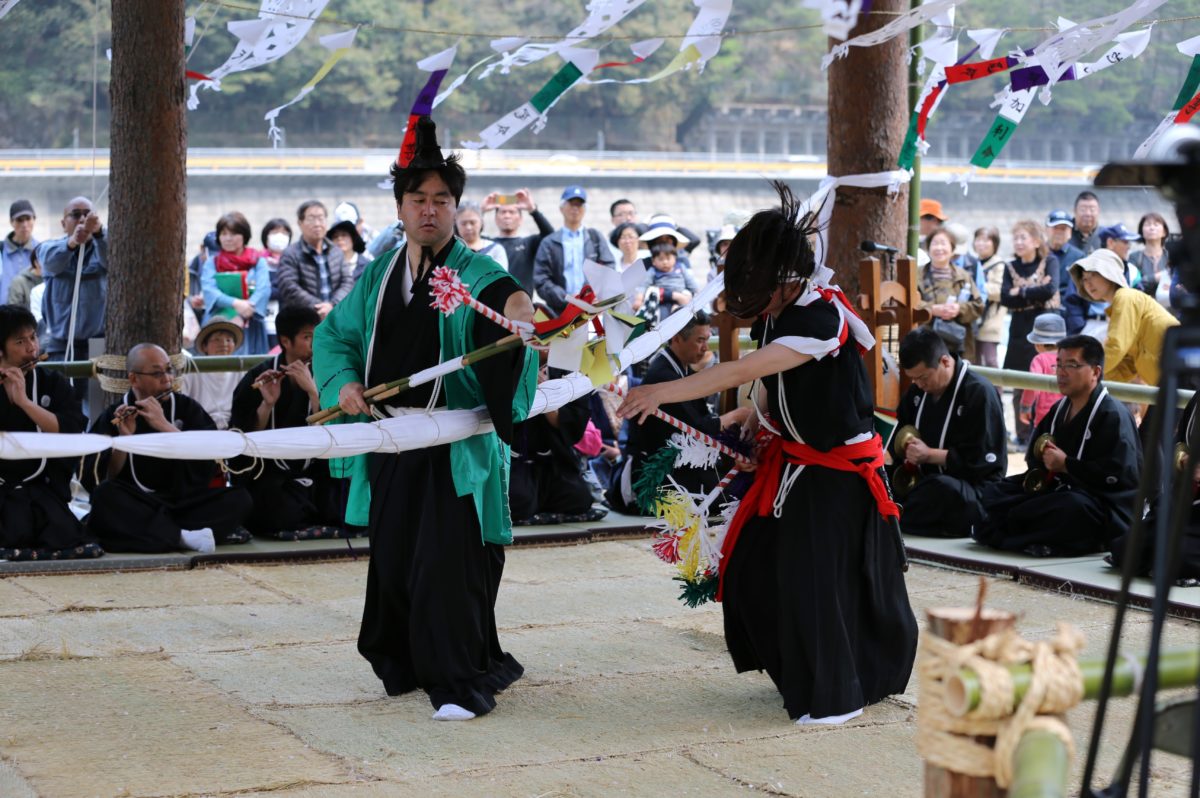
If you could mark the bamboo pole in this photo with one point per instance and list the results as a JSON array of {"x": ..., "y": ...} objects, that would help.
[
  {"x": 1175, "y": 669},
  {"x": 1040, "y": 766},
  {"x": 387, "y": 390}
]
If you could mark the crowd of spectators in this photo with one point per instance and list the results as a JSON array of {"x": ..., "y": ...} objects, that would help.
[{"x": 1071, "y": 297}]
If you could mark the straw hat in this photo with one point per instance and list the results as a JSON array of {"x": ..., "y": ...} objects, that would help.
[{"x": 219, "y": 324}]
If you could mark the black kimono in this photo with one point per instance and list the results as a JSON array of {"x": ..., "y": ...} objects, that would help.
[
  {"x": 293, "y": 499},
  {"x": 429, "y": 615},
  {"x": 147, "y": 504},
  {"x": 546, "y": 485},
  {"x": 1189, "y": 552},
  {"x": 646, "y": 439},
  {"x": 968, "y": 422},
  {"x": 816, "y": 596},
  {"x": 1085, "y": 508},
  {"x": 35, "y": 520}
]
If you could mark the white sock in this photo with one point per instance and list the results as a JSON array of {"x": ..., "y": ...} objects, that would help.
[
  {"x": 453, "y": 712},
  {"x": 828, "y": 720},
  {"x": 200, "y": 540}
]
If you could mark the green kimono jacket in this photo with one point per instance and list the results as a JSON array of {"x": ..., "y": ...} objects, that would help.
[{"x": 342, "y": 349}]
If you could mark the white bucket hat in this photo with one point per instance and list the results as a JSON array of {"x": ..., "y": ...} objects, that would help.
[{"x": 1103, "y": 262}]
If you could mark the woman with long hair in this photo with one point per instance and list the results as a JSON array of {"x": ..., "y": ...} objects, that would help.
[
  {"x": 237, "y": 283},
  {"x": 1029, "y": 287},
  {"x": 810, "y": 577}
]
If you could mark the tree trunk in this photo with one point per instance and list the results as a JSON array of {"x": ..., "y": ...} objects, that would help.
[
  {"x": 148, "y": 207},
  {"x": 868, "y": 117}
]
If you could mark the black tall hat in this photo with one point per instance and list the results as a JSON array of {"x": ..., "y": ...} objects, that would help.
[{"x": 421, "y": 151}]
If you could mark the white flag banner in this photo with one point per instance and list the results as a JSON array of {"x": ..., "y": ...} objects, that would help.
[
  {"x": 340, "y": 44},
  {"x": 838, "y": 17},
  {"x": 6, "y": 6},
  {"x": 263, "y": 40}
]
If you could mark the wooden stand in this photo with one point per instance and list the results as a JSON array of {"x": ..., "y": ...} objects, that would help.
[
  {"x": 961, "y": 626},
  {"x": 883, "y": 303}
]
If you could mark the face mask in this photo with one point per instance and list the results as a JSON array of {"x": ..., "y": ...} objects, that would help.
[{"x": 278, "y": 242}]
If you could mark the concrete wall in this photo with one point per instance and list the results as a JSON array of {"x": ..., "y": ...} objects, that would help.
[{"x": 695, "y": 202}]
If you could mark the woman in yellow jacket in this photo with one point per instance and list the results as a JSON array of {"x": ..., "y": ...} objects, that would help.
[{"x": 1136, "y": 322}]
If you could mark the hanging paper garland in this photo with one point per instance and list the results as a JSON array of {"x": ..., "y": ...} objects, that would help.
[
  {"x": 602, "y": 16},
  {"x": 1014, "y": 103},
  {"x": 340, "y": 44},
  {"x": 1191, "y": 83},
  {"x": 579, "y": 63},
  {"x": 263, "y": 40},
  {"x": 838, "y": 17},
  {"x": 699, "y": 45}
]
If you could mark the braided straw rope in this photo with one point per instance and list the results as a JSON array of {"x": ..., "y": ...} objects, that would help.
[{"x": 947, "y": 741}]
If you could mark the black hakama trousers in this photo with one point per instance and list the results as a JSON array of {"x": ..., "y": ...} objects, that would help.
[
  {"x": 547, "y": 487},
  {"x": 1189, "y": 547},
  {"x": 124, "y": 518},
  {"x": 942, "y": 506},
  {"x": 282, "y": 503},
  {"x": 429, "y": 617},
  {"x": 1059, "y": 523},
  {"x": 33, "y": 516},
  {"x": 817, "y": 599}
]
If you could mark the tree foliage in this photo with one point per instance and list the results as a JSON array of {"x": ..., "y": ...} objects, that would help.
[{"x": 46, "y": 49}]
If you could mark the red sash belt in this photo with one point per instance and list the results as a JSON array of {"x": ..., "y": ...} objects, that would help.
[{"x": 759, "y": 500}]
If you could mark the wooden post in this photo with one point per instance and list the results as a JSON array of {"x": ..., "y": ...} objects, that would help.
[
  {"x": 867, "y": 122},
  {"x": 960, "y": 626},
  {"x": 148, "y": 208}
]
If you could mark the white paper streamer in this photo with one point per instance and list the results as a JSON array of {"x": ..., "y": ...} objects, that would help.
[
  {"x": 263, "y": 40},
  {"x": 6, "y": 6},
  {"x": 838, "y": 17},
  {"x": 897, "y": 26},
  {"x": 335, "y": 42}
]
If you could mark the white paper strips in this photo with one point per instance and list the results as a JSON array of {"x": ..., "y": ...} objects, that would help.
[
  {"x": 6, "y": 6},
  {"x": 263, "y": 40}
]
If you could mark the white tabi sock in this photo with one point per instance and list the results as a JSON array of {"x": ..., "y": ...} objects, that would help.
[
  {"x": 453, "y": 712},
  {"x": 200, "y": 540},
  {"x": 828, "y": 720}
]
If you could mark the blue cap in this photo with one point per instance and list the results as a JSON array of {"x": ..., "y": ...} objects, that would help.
[
  {"x": 1117, "y": 230},
  {"x": 1058, "y": 217},
  {"x": 574, "y": 192}
]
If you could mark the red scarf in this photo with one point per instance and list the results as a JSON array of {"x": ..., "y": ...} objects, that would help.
[
  {"x": 244, "y": 261},
  {"x": 760, "y": 499}
]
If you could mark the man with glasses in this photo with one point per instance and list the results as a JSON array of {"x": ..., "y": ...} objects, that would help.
[
  {"x": 1079, "y": 492},
  {"x": 62, "y": 269},
  {"x": 962, "y": 444},
  {"x": 311, "y": 271},
  {"x": 151, "y": 504}
]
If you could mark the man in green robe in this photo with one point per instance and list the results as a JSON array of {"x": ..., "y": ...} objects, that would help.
[{"x": 438, "y": 517}]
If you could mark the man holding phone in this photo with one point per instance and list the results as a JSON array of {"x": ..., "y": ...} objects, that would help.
[{"x": 520, "y": 249}]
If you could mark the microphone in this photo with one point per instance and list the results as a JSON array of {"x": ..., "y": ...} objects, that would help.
[{"x": 871, "y": 246}]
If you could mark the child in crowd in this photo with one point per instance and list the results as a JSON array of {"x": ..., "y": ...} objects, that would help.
[
  {"x": 671, "y": 281},
  {"x": 1048, "y": 330}
]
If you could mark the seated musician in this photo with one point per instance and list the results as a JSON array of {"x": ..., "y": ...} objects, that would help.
[
  {"x": 151, "y": 504},
  {"x": 674, "y": 362},
  {"x": 1186, "y": 434},
  {"x": 293, "y": 499},
  {"x": 546, "y": 484},
  {"x": 35, "y": 520},
  {"x": 961, "y": 445},
  {"x": 1079, "y": 493}
]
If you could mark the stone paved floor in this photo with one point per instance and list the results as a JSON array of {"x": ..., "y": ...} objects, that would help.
[{"x": 244, "y": 679}]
